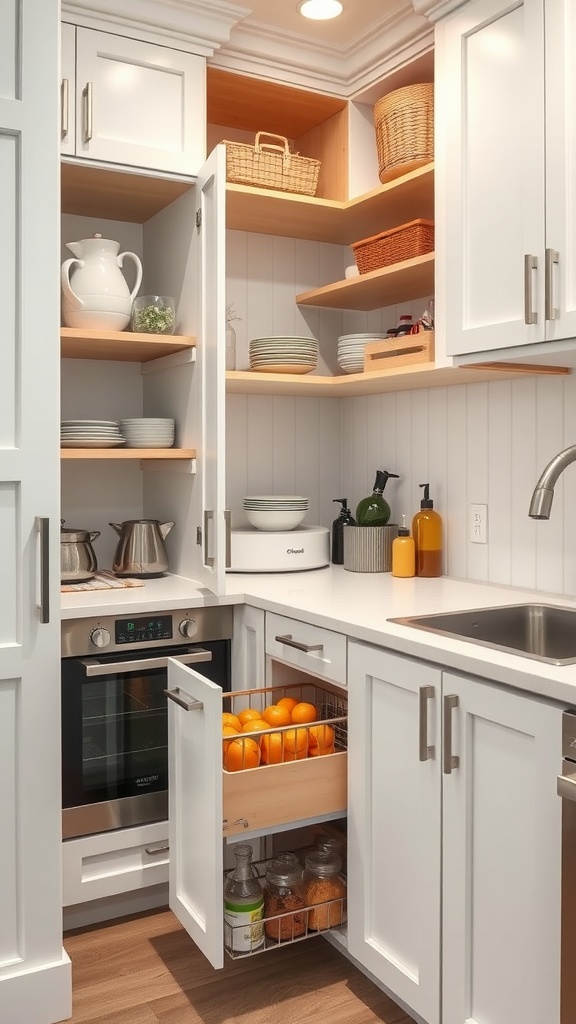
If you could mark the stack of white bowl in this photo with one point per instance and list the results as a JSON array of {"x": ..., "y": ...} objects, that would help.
[
  {"x": 351, "y": 351},
  {"x": 283, "y": 354},
  {"x": 148, "y": 432},
  {"x": 272, "y": 512}
]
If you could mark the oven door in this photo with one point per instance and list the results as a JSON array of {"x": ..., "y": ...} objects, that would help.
[{"x": 115, "y": 735}]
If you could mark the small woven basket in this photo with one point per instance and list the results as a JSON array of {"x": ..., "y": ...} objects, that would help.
[
  {"x": 271, "y": 165},
  {"x": 404, "y": 122},
  {"x": 401, "y": 243}
]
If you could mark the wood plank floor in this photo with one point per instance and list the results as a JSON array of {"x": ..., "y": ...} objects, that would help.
[{"x": 146, "y": 970}]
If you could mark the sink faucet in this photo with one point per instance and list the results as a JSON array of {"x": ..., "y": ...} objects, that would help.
[{"x": 541, "y": 502}]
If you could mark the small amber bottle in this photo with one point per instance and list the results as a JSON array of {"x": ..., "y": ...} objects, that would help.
[
  {"x": 427, "y": 533},
  {"x": 403, "y": 552}
]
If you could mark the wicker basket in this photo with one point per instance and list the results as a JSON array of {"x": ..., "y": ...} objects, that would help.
[
  {"x": 404, "y": 122},
  {"x": 402, "y": 243},
  {"x": 271, "y": 165}
]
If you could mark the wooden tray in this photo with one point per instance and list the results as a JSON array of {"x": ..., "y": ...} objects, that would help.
[{"x": 407, "y": 350}]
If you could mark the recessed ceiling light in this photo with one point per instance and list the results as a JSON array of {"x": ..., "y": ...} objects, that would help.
[{"x": 320, "y": 10}]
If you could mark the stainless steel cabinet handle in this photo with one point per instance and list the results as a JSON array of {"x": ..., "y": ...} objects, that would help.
[
  {"x": 297, "y": 644},
  {"x": 425, "y": 694},
  {"x": 122, "y": 668},
  {"x": 155, "y": 851},
  {"x": 43, "y": 527},
  {"x": 64, "y": 103},
  {"x": 450, "y": 760},
  {"x": 185, "y": 701},
  {"x": 552, "y": 257},
  {"x": 208, "y": 517},
  {"x": 228, "y": 521},
  {"x": 87, "y": 97},
  {"x": 530, "y": 264},
  {"x": 566, "y": 786}
]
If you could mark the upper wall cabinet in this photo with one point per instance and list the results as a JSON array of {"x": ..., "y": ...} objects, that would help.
[
  {"x": 130, "y": 102},
  {"x": 506, "y": 106}
]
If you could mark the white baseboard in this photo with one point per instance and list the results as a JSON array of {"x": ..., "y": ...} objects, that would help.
[
  {"x": 82, "y": 915},
  {"x": 37, "y": 995}
]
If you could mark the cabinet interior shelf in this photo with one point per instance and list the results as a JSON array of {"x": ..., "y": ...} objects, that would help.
[
  {"x": 410, "y": 279},
  {"x": 128, "y": 453},
  {"x": 120, "y": 345}
]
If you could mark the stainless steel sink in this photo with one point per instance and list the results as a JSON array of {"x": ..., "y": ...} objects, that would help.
[{"x": 543, "y": 632}]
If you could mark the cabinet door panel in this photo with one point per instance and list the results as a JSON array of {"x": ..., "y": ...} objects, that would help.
[
  {"x": 195, "y": 810},
  {"x": 147, "y": 103},
  {"x": 394, "y": 827},
  {"x": 490, "y": 110},
  {"x": 501, "y": 859}
]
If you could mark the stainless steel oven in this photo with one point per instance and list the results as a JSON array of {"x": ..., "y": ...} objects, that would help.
[{"x": 114, "y": 711}]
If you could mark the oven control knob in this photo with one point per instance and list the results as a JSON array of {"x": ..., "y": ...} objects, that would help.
[
  {"x": 188, "y": 628},
  {"x": 100, "y": 637}
]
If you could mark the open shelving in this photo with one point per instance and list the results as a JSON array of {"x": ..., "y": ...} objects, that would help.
[
  {"x": 124, "y": 346},
  {"x": 123, "y": 454}
]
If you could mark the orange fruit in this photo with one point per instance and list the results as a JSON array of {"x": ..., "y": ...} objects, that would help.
[
  {"x": 295, "y": 742},
  {"x": 255, "y": 725},
  {"x": 228, "y": 730},
  {"x": 297, "y": 755},
  {"x": 304, "y": 713},
  {"x": 230, "y": 719},
  {"x": 287, "y": 702},
  {"x": 272, "y": 747},
  {"x": 321, "y": 736},
  {"x": 241, "y": 753},
  {"x": 248, "y": 715},
  {"x": 276, "y": 715},
  {"x": 320, "y": 751}
]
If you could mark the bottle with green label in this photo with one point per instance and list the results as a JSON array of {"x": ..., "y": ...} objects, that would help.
[
  {"x": 243, "y": 904},
  {"x": 374, "y": 510}
]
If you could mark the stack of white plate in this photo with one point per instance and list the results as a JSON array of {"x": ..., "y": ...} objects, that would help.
[
  {"x": 351, "y": 351},
  {"x": 283, "y": 354},
  {"x": 275, "y": 511},
  {"x": 147, "y": 432},
  {"x": 90, "y": 434}
]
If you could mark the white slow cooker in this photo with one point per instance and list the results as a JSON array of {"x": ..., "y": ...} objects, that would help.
[{"x": 306, "y": 547}]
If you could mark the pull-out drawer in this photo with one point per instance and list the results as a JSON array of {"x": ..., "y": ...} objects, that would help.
[
  {"x": 313, "y": 649},
  {"x": 114, "y": 862}
]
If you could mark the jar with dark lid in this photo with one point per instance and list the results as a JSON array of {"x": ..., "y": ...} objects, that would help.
[
  {"x": 325, "y": 887},
  {"x": 284, "y": 894}
]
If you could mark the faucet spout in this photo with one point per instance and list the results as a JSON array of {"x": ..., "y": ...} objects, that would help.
[{"x": 541, "y": 502}]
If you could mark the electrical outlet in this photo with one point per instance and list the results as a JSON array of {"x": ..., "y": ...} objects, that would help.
[{"x": 478, "y": 524}]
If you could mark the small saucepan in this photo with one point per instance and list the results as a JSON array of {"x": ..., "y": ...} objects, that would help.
[{"x": 77, "y": 559}]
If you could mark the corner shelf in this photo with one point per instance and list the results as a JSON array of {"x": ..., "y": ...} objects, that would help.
[
  {"x": 410, "y": 279},
  {"x": 124, "y": 346}
]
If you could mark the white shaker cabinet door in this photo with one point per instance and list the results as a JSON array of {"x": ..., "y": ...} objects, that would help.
[
  {"x": 35, "y": 982},
  {"x": 67, "y": 89},
  {"x": 501, "y": 857},
  {"x": 139, "y": 104},
  {"x": 195, "y": 808},
  {"x": 394, "y": 824},
  {"x": 490, "y": 175}
]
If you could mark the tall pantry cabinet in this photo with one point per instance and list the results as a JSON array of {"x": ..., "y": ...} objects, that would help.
[{"x": 34, "y": 970}]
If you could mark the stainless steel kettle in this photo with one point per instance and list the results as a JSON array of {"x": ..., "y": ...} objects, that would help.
[
  {"x": 141, "y": 551},
  {"x": 77, "y": 558}
]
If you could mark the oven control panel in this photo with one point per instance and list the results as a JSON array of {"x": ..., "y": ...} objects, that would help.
[{"x": 143, "y": 630}]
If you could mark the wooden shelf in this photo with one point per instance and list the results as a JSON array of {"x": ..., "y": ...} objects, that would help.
[
  {"x": 402, "y": 378},
  {"x": 120, "y": 345},
  {"x": 90, "y": 191},
  {"x": 327, "y": 220},
  {"x": 400, "y": 282},
  {"x": 124, "y": 454}
]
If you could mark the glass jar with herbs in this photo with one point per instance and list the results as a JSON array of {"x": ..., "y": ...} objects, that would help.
[
  {"x": 284, "y": 895},
  {"x": 153, "y": 314},
  {"x": 325, "y": 890}
]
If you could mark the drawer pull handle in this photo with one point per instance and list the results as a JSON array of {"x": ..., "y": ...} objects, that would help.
[
  {"x": 425, "y": 752},
  {"x": 290, "y": 642},
  {"x": 154, "y": 851},
  {"x": 451, "y": 760}
]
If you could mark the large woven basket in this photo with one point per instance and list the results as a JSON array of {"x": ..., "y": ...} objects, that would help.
[
  {"x": 271, "y": 165},
  {"x": 401, "y": 243},
  {"x": 404, "y": 122}
]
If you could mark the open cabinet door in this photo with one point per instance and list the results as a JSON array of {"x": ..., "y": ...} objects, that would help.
[
  {"x": 195, "y": 807},
  {"x": 211, "y": 249}
]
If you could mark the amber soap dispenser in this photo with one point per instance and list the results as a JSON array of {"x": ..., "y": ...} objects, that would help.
[{"x": 427, "y": 534}]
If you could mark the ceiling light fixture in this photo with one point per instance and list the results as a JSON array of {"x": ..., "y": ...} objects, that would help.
[{"x": 320, "y": 10}]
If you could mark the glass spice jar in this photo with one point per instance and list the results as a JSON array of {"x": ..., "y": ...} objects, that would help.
[
  {"x": 323, "y": 883},
  {"x": 284, "y": 894},
  {"x": 332, "y": 844}
]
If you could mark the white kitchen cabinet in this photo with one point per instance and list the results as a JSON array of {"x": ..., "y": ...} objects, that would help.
[
  {"x": 319, "y": 651},
  {"x": 248, "y": 649},
  {"x": 130, "y": 102},
  {"x": 114, "y": 862},
  {"x": 505, "y": 101},
  {"x": 456, "y": 856}
]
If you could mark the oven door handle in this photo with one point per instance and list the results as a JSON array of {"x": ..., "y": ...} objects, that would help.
[
  {"x": 122, "y": 668},
  {"x": 566, "y": 783}
]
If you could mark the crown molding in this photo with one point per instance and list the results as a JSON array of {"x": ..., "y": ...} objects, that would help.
[
  {"x": 436, "y": 9},
  {"x": 193, "y": 25}
]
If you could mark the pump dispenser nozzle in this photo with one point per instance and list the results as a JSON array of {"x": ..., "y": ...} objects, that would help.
[{"x": 426, "y": 500}]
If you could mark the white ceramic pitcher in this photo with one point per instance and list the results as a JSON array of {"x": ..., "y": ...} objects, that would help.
[{"x": 96, "y": 295}]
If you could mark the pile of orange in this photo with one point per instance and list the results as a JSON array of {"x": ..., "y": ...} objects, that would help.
[{"x": 274, "y": 747}]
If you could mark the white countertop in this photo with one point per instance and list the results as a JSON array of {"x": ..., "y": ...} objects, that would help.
[{"x": 359, "y": 604}]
